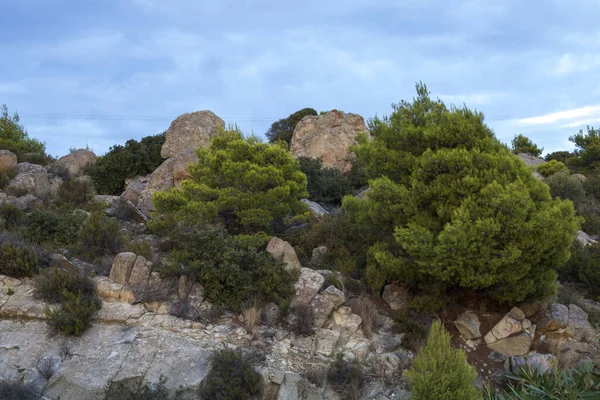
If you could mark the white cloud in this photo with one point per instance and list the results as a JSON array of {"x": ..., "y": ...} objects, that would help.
[
  {"x": 582, "y": 112},
  {"x": 570, "y": 63}
]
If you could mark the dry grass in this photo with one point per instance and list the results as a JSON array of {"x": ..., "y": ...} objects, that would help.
[
  {"x": 364, "y": 306},
  {"x": 45, "y": 366},
  {"x": 252, "y": 319},
  {"x": 317, "y": 375}
]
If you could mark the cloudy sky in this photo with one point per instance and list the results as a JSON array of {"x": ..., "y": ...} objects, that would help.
[{"x": 99, "y": 72}]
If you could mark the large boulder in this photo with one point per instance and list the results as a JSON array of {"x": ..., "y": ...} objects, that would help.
[
  {"x": 515, "y": 345},
  {"x": 328, "y": 137},
  {"x": 283, "y": 251},
  {"x": 190, "y": 131},
  {"x": 325, "y": 302},
  {"x": 555, "y": 318},
  {"x": 468, "y": 325},
  {"x": 134, "y": 188},
  {"x": 307, "y": 286},
  {"x": 122, "y": 267},
  {"x": 32, "y": 179},
  {"x": 168, "y": 175},
  {"x": 73, "y": 164},
  {"x": 8, "y": 160}
]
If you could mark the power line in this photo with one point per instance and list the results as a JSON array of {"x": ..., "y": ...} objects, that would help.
[{"x": 129, "y": 117}]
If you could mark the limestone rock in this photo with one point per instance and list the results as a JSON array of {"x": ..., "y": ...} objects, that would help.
[
  {"x": 190, "y": 131},
  {"x": 584, "y": 238},
  {"x": 122, "y": 266},
  {"x": 468, "y": 325},
  {"x": 315, "y": 208},
  {"x": 507, "y": 326},
  {"x": 326, "y": 341},
  {"x": 140, "y": 273},
  {"x": 23, "y": 203},
  {"x": 319, "y": 255},
  {"x": 514, "y": 345},
  {"x": 578, "y": 326},
  {"x": 8, "y": 160},
  {"x": 553, "y": 319},
  {"x": 325, "y": 302},
  {"x": 168, "y": 175},
  {"x": 74, "y": 163},
  {"x": 530, "y": 309},
  {"x": 283, "y": 251},
  {"x": 581, "y": 178},
  {"x": 31, "y": 178},
  {"x": 55, "y": 184},
  {"x": 530, "y": 160},
  {"x": 396, "y": 296},
  {"x": 540, "y": 362},
  {"x": 329, "y": 137},
  {"x": 385, "y": 342},
  {"x": 134, "y": 189}
]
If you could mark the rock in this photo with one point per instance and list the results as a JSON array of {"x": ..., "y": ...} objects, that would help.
[
  {"x": 540, "y": 362},
  {"x": 530, "y": 160},
  {"x": 140, "y": 273},
  {"x": 190, "y": 131},
  {"x": 553, "y": 319},
  {"x": 396, "y": 296},
  {"x": 23, "y": 203},
  {"x": 74, "y": 163},
  {"x": 530, "y": 309},
  {"x": 514, "y": 345},
  {"x": 385, "y": 342},
  {"x": 326, "y": 340},
  {"x": 283, "y": 251},
  {"x": 584, "y": 238},
  {"x": 8, "y": 160},
  {"x": 344, "y": 319},
  {"x": 315, "y": 208},
  {"x": 122, "y": 266},
  {"x": 55, "y": 184},
  {"x": 30, "y": 168},
  {"x": 329, "y": 137},
  {"x": 171, "y": 173},
  {"x": 516, "y": 314},
  {"x": 581, "y": 178},
  {"x": 32, "y": 179},
  {"x": 507, "y": 326},
  {"x": 468, "y": 325},
  {"x": 319, "y": 256},
  {"x": 134, "y": 189},
  {"x": 578, "y": 326},
  {"x": 60, "y": 261},
  {"x": 325, "y": 302},
  {"x": 539, "y": 176},
  {"x": 270, "y": 313}
]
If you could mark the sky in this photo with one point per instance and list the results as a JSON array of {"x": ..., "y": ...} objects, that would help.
[{"x": 99, "y": 72}]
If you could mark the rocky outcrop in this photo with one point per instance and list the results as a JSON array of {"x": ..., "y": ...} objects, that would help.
[
  {"x": 308, "y": 285},
  {"x": 74, "y": 163},
  {"x": 512, "y": 335},
  {"x": 328, "y": 137},
  {"x": 169, "y": 174},
  {"x": 31, "y": 179},
  {"x": 530, "y": 160},
  {"x": 122, "y": 266},
  {"x": 283, "y": 251},
  {"x": 396, "y": 296},
  {"x": 190, "y": 131},
  {"x": 315, "y": 208},
  {"x": 554, "y": 320},
  {"x": 468, "y": 325},
  {"x": 584, "y": 238},
  {"x": 134, "y": 188},
  {"x": 8, "y": 160},
  {"x": 319, "y": 256}
]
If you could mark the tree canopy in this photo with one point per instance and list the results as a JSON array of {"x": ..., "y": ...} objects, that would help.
[
  {"x": 284, "y": 128},
  {"x": 450, "y": 207},
  {"x": 14, "y": 137},
  {"x": 249, "y": 186},
  {"x": 587, "y": 149},
  {"x": 522, "y": 144}
]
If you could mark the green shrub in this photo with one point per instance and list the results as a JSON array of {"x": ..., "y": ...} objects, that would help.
[
  {"x": 140, "y": 248},
  {"x": 6, "y": 175},
  {"x": 14, "y": 138},
  {"x": 134, "y": 389},
  {"x": 76, "y": 192},
  {"x": 248, "y": 186},
  {"x": 16, "y": 191},
  {"x": 305, "y": 319},
  {"x": 571, "y": 384},
  {"x": 522, "y": 144},
  {"x": 332, "y": 280},
  {"x": 99, "y": 236},
  {"x": 230, "y": 378},
  {"x": 587, "y": 150},
  {"x": 75, "y": 315},
  {"x": 57, "y": 228},
  {"x": 18, "y": 261},
  {"x": 52, "y": 284},
  {"x": 110, "y": 171},
  {"x": 16, "y": 391},
  {"x": 232, "y": 275},
  {"x": 325, "y": 185},
  {"x": 551, "y": 168},
  {"x": 13, "y": 217},
  {"x": 346, "y": 378},
  {"x": 415, "y": 333},
  {"x": 561, "y": 156},
  {"x": 440, "y": 372},
  {"x": 584, "y": 266},
  {"x": 283, "y": 129},
  {"x": 446, "y": 194}
]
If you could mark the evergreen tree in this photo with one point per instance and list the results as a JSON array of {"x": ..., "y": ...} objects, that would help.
[
  {"x": 14, "y": 137},
  {"x": 522, "y": 144},
  {"x": 284, "y": 128}
]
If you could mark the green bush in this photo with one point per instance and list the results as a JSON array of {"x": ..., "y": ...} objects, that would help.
[
  {"x": 248, "y": 186},
  {"x": 551, "y": 168},
  {"x": 52, "y": 284},
  {"x": 305, "y": 319},
  {"x": 440, "y": 372},
  {"x": 325, "y": 185},
  {"x": 13, "y": 217},
  {"x": 76, "y": 192},
  {"x": 57, "y": 228},
  {"x": 110, "y": 171},
  {"x": 134, "y": 389},
  {"x": 14, "y": 138},
  {"x": 572, "y": 384},
  {"x": 232, "y": 275},
  {"x": 587, "y": 150},
  {"x": 522, "y": 144},
  {"x": 75, "y": 315},
  {"x": 230, "y": 378},
  {"x": 584, "y": 266},
  {"x": 445, "y": 195},
  {"x": 561, "y": 156},
  {"x": 283, "y": 129},
  {"x": 346, "y": 378},
  {"x": 99, "y": 236},
  {"x": 6, "y": 175},
  {"x": 415, "y": 333},
  {"x": 18, "y": 261}
]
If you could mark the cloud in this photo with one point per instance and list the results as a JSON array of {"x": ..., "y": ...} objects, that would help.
[
  {"x": 569, "y": 63},
  {"x": 552, "y": 118}
]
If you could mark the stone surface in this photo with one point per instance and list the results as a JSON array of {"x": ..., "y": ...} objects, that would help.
[
  {"x": 325, "y": 302},
  {"x": 540, "y": 362},
  {"x": 584, "y": 238},
  {"x": 190, "y": 131},
  {"x": 516, "y": 314},
  {"x": 326, "y": 339},
  {"x": 23, "y": 203},
  {"x": 396, "y": 296},
  {"x": 554, "y": 318},
  {"x": 32, "y": 179},
  {"x": 55, "y": 184},
  {"x": 578, "y": 326},
  {"x": 581, "y": 178},
  {"x": 134, "y": 188},
  {"x": 171, "y": 173},
  {"x": 507, "y": 326},
  {"x": 140, "y": 273},
  {"x": 74, "y": 163},
  {"x": 468, "y": 325},
  {"x": 385, "y": 342},
  {"x": 514, "y": 345},
  {"x": 329, "y": 137},
  {"x": 319, "y": 256},
  {"x": 283, "y": 251},
  {"x": 8, "y": 160},
  {"x": 315, "y": 208},
  {"x": 530, "y": 160},
  {"x": 122, "y": 266}
]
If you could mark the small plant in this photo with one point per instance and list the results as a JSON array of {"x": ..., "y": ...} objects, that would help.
[
  {"x": 16, "y": 391},
  {"x": 551, "y": 167},
  {"x": 16, "y": 191},
  {"x": 441, "y": 372},
  {"x": 99, "y": 236},
  {"x": 252, "y": 319},
  {"x": 65, "y": 349},
  {"x": 52, "y": 283},
  {"x": 231, "y": 377},
  {"x": 367, "y": 310},
  {"x": 18, "y": 261},
  {"x": 6, "y": 175},
  {"x": 10, "y": 292},
  {"x": 133, "y": 389},
  {"x": 305, "y": 319},
  {"x": 76, "y": 192},
  {"x": 140, "y": 248},
  {"x": 346, "y": 378},
  {"x": 415, "y": 334},
  {"x": 317, "y": 375},
  {"x": 75, "y": 316},
  {"x": 45, "y": 366},
  {"x": 332, "y": 280}
]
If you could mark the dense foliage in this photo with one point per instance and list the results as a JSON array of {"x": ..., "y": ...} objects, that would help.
[
  {"x": 99, "y": 236},
  {"x": 231, "y": 377},
  {"x": 75, "y": 314},
  {"x": 325, "y": 184},
  {"x": 450, "y": 208},
  {"x": 14, "y": 137},
  {"x": 17, "y": 260},
  {"x": 522, "y": 144},
  {"x": 249, "y": 186},
  {"x": 587, "y": 150},
  {"x": 440, "y": 372},
  {"x": 551, "y": 168},
  {"x": 561, "y": 156},
  {"x": 121, "y": 162},
  {"x": 584, "y": 266},
  {"x": 283, "y": 129}
]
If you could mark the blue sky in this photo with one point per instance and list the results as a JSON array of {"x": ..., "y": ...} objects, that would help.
[{"x": 99, "y": 72}]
